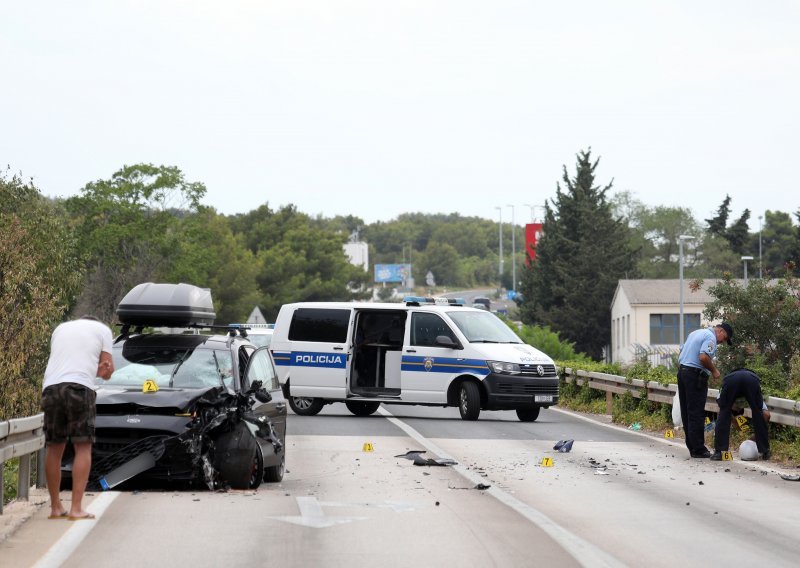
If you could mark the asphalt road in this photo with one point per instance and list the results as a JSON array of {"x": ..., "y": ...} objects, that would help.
[{"x": 340, "y": 505}]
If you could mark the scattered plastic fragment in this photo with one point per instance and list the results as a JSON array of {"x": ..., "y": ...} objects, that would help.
[
  {"x": 564, "y": 446},
  {"x": 482, "y": 486},
  {"x": 600, "y": 472},
  {"x": 635, "y": 426},
  {"x": 419, "y": 460},
  {"x": 710, "y": 426}
]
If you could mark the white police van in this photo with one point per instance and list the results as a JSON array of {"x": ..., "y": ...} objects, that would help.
[{"x": 423, "y": 351}]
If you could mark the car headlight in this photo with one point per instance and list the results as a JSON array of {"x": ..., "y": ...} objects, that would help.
[{"x": 503, "y": 368}]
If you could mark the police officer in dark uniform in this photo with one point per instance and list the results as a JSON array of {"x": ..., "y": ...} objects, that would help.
[
  {"x": 741, "y": 383},
  {"x": 696, "y": 363}
]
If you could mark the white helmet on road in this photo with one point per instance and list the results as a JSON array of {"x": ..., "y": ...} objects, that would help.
[{"x": 748, "y": 451}]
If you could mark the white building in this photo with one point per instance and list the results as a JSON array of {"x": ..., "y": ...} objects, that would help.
[
  {"x": 358, "y": 253},
  {"x": 645, "y": 316}
]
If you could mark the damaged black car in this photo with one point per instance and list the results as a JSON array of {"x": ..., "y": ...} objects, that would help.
[{"x": 201, "y": 405}]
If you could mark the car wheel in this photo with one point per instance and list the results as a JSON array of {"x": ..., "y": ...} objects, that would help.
[
  {"x": 362, "y": 408},
  {"x": 236, "y": 451},
  {"x": 275, "y": 473},
  {"x": 257, "y": 473},
  {"x": 469, "y": 401},
  {"x": 528, "y": 414},
  {"x": 305, "y": 406}
]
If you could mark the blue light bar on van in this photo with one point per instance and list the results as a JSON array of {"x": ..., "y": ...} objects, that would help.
[{"x": 420, "y": 300}]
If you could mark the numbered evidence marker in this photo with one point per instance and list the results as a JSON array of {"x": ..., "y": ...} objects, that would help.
[
  {"x": 741, "y": 420},
  {"x": 708, "y": 420},
  {"x": 547, "y": 462},
  {"x": 726, "y": 456},
  {"x": 368, "y": 447},
  {"x": 149, "y": 386},
  {"x": 669, "y": 434}
]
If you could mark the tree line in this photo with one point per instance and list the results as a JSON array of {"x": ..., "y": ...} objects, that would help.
[{"x": 62, "y": 258}]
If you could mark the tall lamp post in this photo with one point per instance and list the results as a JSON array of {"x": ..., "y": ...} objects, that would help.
[
  {"x": 500, "y": 268},
  {"x": 760, "y": 272},
  {"x": 745, "y": 259},
  {"x": 681, "y": 238},
  {"x": 513, "y": 251}
]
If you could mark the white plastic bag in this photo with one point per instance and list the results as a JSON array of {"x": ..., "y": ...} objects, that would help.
[{"x": 676, "y": 412}]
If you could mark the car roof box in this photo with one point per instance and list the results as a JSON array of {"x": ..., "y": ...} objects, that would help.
[{"x": 172, "y": 305}]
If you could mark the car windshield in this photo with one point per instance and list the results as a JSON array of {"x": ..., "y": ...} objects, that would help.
[
  {"x": 483, "y": 327},
  {"x": 177, "y": 367}
]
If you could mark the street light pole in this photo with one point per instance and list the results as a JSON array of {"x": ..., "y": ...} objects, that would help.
[
  {"x": 760, "y": 272},
  {"x": 681, "y": 238},
  {"x": 500, "y": 268},
  {"x": 513, "y": 251},
  {"x": 745, "y": 259}
]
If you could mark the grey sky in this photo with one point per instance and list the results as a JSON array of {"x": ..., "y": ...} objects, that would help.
[{"x": 377, "y": 108}]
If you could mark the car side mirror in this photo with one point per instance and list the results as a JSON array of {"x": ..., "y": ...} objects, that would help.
[
  {"x": 262, "y": 395},
  {"x": 445, "y": 341}
]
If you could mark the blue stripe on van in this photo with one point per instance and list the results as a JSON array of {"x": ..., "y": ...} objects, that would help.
[
  {"x": 444, "y": 365},
  {"x": 282, "y": 358},
  {"x": 312, "y": 359}
]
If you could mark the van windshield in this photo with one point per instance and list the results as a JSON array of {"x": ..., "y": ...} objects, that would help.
[{"x": 483, "y": 327}]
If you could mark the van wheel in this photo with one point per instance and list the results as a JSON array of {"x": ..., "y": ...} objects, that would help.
[
  {"x": 362, "y": 408},
  {"x": 469, "y": 401},
  {"x": 305, "y": 406},
  {"x": 528, "y": 414}
]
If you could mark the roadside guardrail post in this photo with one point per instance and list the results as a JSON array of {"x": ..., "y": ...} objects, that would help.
[
  {"x": 41, "y": 479},
  {"x": 24, "y": 477},
  {"x": 609, "y": 402}
]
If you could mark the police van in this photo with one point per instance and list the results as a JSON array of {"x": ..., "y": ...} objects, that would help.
[{"x": 424, "y": 351}]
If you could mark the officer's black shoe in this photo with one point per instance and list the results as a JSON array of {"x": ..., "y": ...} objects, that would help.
[
  {"x": 703, "y": 454},
  {"x": 766, "y": 455},
  {"x": 716, "y": 456}
]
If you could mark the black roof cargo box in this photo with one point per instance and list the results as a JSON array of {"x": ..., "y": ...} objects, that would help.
[{"x": 172, "y": 305}]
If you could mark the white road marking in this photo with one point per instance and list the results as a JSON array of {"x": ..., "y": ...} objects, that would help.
[
  {"x": 312, "y": 515},
  {"x": 70, "y": 540},
  {"x": 581, "y": 550}
]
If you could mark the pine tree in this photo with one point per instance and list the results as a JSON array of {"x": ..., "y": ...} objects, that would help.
[
  {"x": 738, "y": 234},
  {"x": 717, "y": 225},
  {"x": 583, "y": 253}
]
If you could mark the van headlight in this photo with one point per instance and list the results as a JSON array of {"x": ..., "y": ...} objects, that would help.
[{"x": 503, "y": 368}]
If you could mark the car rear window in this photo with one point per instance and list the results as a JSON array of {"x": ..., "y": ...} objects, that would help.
[{"x": 319, "y": 324}]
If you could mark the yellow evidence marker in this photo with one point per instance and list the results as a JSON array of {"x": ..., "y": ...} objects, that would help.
[
  {"x": 669, "y": 434},
  {"x": 368, "y": 447},
  {"x": 726, "y": 456},
  {"x": 741, "y": 420},
  {"x": 150, "y": 386},
  {"x": 547, "y": 462},
  {"x": 708, "y": 420}
]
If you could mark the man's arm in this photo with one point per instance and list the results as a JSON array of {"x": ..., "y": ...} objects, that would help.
[
  {"x": 106, "y": 366},
  {"x": 708, "y": 363}
]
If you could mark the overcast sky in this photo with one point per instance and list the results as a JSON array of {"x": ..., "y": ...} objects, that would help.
[{"x": 377, "y": 108}]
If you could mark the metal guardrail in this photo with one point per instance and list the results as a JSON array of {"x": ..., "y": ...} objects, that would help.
[
  {"x": 782, "y": 410},
  {"x": 21, "y": 438}
]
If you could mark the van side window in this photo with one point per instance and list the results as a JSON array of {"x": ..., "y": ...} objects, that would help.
[
  {"x": 319, "y": 324},
  {"x": 426, "y": 327}
]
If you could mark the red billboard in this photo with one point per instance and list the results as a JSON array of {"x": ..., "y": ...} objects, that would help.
[{"x": 533, "y": 232}]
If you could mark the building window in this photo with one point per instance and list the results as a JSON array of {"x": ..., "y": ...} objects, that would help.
[{"x": 664, "y": 327}]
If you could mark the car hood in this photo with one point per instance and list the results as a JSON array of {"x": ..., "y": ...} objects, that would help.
[
  {"x": 180, "y": 399},
  {"x": 520, "y": 353}
]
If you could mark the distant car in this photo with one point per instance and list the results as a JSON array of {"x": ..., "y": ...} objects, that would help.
[
  {"x": 201, "y": 408},
  {"x": 482, "y": 302},
  {"x": 260, "y": 334}
]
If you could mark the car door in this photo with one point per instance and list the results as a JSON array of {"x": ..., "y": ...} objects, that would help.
[
  {"x": 260, "y": 367},
  {"x": 427, "y": 367},
  {"x": 319, "y": 360}
]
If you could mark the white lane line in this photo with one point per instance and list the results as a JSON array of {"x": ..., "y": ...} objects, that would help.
[
  {"x": 70, "y": 540},
  {"x": 581, "y": 550}
]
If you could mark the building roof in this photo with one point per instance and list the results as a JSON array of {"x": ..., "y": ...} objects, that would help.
[{"x": 665, "y": 291}]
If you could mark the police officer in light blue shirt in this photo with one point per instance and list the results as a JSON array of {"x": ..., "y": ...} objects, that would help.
[{"x": 696, "y": 364}]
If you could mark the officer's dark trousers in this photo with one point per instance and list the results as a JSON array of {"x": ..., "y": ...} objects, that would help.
[
  {"x": 733, "y": 387},
  {"x": 692, "y": 392}
]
